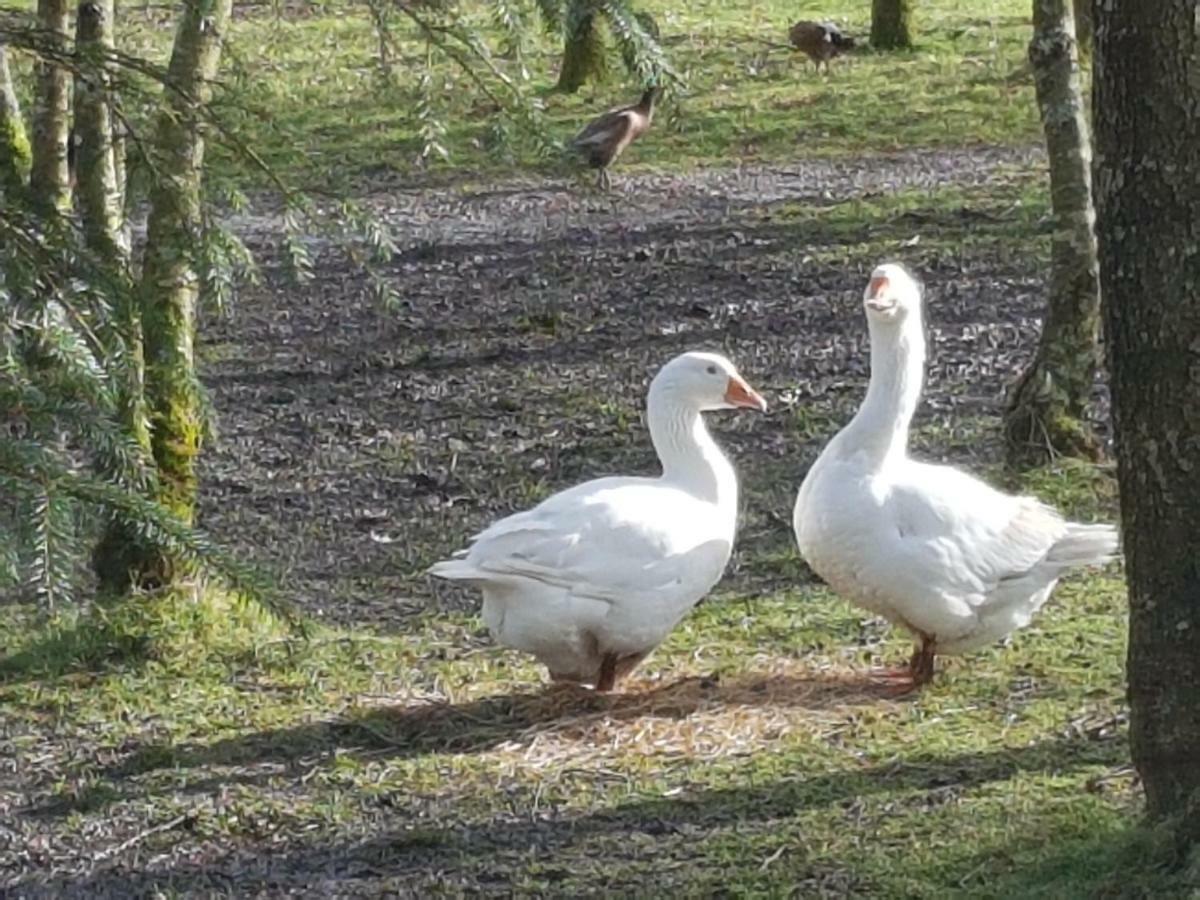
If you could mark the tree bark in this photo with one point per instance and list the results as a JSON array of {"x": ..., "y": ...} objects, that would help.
[
  {"x": 101, "y": 209},
  {"x": 97, "y": 183},
  {"x": 1083, "y": 26},
  {"x": 15, "y": 155},
  {"x": 170, "y": 286},
  {"x": 1047, "y": 408},
  {"x": 49, "y": 179},
  {"x": 1147, "y": 114},
  {"x": 892, "y": 24},
  {"x": 584, "y": 53}
]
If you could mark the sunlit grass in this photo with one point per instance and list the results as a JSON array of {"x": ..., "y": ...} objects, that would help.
[{"x": 308, "y": 93}]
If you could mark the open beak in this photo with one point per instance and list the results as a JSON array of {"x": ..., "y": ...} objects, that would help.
[
  {"x": 878, "y": 285},
  {"x": 741, "y": 394}
]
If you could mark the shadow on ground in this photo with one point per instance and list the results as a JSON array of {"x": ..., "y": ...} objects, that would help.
[
  {"x": 428, "y": 855},
  {"x": 481, "y": 725}
]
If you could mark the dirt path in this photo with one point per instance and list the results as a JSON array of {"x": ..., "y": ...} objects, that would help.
[{"x": 358, "y": 445}]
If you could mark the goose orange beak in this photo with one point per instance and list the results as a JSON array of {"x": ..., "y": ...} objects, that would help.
[
  {"x": 741, "y": 394},
  {"x": 877, "y": 286}
]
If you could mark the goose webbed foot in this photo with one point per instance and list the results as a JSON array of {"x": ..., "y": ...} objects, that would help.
[{"x": 918, "y": 672}]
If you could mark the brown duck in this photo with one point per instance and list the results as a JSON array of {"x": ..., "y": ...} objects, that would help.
[
  {"x": 820, "y": 41},
  {"x": 605, "y": 138}
]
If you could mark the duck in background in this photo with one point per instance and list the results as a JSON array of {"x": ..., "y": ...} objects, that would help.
[
  {"x": 820, "y": 41},
  {"x": 605, "y": 138}
]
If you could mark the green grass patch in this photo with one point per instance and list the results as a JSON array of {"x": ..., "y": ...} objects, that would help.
[
  {"x": 749, "y": 756},
  {"x": 307, "y": 92}
]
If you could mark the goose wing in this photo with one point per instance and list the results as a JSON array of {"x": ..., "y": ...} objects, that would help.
[{"x": 610, "y": 540}]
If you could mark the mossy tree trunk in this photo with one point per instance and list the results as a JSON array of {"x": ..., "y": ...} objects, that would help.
[
  {"x": 892, "y": 24},
  {"x": 49, "y": 179},
  {"x": 1047, "y": 409},
  {"x": 170, "y": 285},
  {"x": 1147, "y": 114},
  {"x": 101, "y": 210},
  {"x": 97, "y": 181},
  {"x": 1083, "y": 26},
  {"x": 584, "y": 52},
  {"x": 15, "y": 155}
]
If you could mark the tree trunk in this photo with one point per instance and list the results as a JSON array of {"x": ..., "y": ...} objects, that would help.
[
  {"x": 97, "y": 184},
  {"x": 891, "y": 24},
  {"x": 1047, "y": 409},
  {"x": 170, "y": 286},
  {"x": 1083, "y": 26},
  {"x": 1147, "y": 114},
  {"x": 49, "y": 179},
  {"x": 15, "y": 155},
  {"x": 101, "y": 209},
  {"x": 584, "y": 52}
]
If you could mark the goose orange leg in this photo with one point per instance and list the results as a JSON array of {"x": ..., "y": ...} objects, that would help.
[
  {"x": 608, "y": 673},
  {"x": 921, "y": 664},
  {"x": 919, "y": 670}
]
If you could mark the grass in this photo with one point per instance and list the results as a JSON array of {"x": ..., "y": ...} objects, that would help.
[
  {"x": 180, "y": 736},
  {"x": 748, "y": 757},
  {"x": 740, "y": 101}
]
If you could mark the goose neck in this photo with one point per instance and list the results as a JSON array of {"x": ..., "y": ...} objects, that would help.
[
  {"x": 690, "y": 457},
  {"x": 881, "y": 426}
]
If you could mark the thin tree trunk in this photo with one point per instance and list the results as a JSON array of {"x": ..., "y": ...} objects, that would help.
[
  {"x": 1047, "y": 409},
  {"x": 15, "y": 155},
  {"x": 170, "y": 286},
  {"x": 49, "y": 179},
  {"x": 892, "y": 24},
  {"x": 1147, "y": 114},
  {"x": 97, "y": 184},
  {"x": 584, "y": 53},
  {"x": 98, "y": 189}
]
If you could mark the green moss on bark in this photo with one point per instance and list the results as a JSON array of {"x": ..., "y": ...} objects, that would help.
[
  {"x": 170, "y": 288},
  {"x": 892, "y": 25},
  {"x": 584, "y": 53}
]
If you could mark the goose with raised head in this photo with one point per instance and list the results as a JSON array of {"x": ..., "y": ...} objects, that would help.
[
  {"x": 592, "y": 579},
  {"x": 928, "y": 547}
]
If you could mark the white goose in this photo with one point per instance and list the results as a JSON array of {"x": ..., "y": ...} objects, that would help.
[
  {"x": 928, "y": 547},
  {"x": 592, "y": 579}
]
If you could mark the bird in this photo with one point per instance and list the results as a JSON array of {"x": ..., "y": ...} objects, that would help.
[
  {"x": 605, "y": 138},
  {"x": 820, "y": 41},
  {"x": 930, "y": 548},
  {"x": 592, "y": 579}
]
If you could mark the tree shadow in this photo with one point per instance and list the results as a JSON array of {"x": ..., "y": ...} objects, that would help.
[
  {"x": 473, "y": 852},
  {"x": 89, "y": 648},
  {"x": 410, "y": 730}
]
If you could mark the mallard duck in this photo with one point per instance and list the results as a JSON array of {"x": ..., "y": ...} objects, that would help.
[
  {"x": 930, "y": 548},
  {"x": 592, "y": 579},
  {"x": 820, "y": 41},
  {"x": 605, "y": 138}
]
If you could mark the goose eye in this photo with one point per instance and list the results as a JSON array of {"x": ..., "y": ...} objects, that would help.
[{"x": 712, "y": 370}]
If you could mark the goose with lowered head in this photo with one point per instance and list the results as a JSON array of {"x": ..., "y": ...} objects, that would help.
[
  {"x": 928, "y": 547},
  {"x": 592, "y": 579}
]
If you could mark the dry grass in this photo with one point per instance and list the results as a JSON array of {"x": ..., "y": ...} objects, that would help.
[{"x": 698, "y": 717}]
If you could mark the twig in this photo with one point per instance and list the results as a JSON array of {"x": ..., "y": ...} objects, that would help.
[
  {"x": 432, "y": 32},
  {"x": 141, "y": 836},
  {"x": 774, "y": 45},
  {"x": 766, "y": 863}
]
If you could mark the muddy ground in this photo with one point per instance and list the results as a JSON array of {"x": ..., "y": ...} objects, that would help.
[{"x": 358, "y": 444}]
